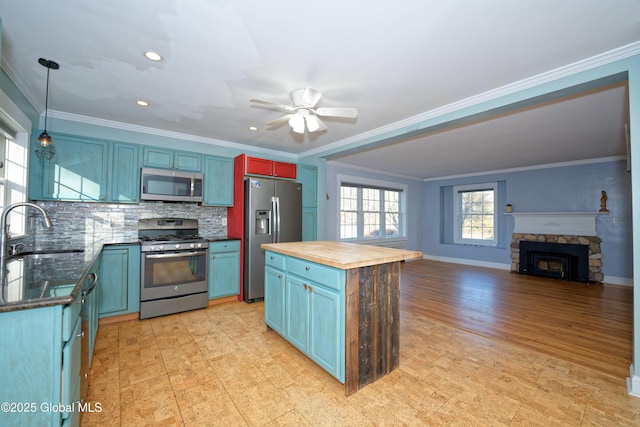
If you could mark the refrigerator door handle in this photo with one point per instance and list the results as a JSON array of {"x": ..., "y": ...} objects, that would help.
[{"x": 275, "y": 202}]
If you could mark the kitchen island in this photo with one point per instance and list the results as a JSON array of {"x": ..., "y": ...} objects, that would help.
[{"x": 339, "y": 304}]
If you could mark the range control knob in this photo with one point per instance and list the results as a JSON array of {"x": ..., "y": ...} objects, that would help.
[
  {"x": 177, "y": 245},
  {"x": 193, "y": 245}
]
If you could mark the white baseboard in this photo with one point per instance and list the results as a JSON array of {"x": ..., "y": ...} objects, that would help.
[
  {"x": 623, "y": 281},
  {"x": 496, "y": 265},
  {"x": 611, "y": 280},
  {"x": 633, "y": 383}
]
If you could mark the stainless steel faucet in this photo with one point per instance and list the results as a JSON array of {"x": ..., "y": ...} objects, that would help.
[{"x": 5, "y": 230}]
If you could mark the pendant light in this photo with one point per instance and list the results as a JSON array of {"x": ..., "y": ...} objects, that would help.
[{"x": 45, "y": 149}]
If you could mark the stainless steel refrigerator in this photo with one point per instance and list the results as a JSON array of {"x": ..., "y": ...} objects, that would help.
[{"x": 273, "y": 214}]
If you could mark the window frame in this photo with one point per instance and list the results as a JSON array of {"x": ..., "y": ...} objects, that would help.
[
  {"x": 458, "y": 190},
  {"x": 401, "y": 237},
  {"x": 17, "y": 160}
]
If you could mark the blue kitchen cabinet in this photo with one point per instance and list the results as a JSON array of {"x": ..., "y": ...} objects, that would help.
[
  {"x": 297, "y": 310},
  {"x": 77, "y": 172},
  {"x": 308, "y": 177},
  {"x": 41, "y": 357},
  {"x": 171, "y": 159},
  {"x": 119, "y": 291},
  {"x": 274, "y": 291},
  {"x": 309, "y": 224},
  {"x": 312, "y": 308},
  {"x": 124, "y": 174},
  {"x": 218, "y": 181},
  {"x": 224, "y": 268}
]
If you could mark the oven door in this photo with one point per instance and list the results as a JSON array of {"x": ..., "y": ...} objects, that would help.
[{"x": 171, "y": 274}]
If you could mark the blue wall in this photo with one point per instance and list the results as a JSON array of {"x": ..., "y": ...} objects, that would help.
[{"x": 573, "y": 188}]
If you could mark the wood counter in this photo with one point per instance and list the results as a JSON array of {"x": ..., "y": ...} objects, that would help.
[
  {"x": 369, "y": 295},
  {"x": 341, "y": 255}
]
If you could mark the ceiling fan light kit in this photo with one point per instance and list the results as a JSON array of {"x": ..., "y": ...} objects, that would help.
[{"x": 302, "y": 112}]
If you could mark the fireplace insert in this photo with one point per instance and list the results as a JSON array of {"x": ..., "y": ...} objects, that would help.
[{"x": 555, "y": 260}]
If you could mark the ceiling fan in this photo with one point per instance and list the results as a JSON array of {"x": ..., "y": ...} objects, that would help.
[{"x": 303, "y": 113}]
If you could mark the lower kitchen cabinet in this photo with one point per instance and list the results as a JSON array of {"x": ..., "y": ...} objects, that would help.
[
  {"x": 311, "y": 307},
  {"x": 274, "y": 283},
  {"x": 119, "y": 292},
  {"x": 224, "y": 268},
  {"x": 41, "y": 357}
]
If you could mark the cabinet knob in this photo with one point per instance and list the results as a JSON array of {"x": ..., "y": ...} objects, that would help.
[
  {"x": 279, "y": 276},
  {"x": 305, "y": 286},
  {"x": 307, "y": 268},
  {"x": 213, "y": 256}
]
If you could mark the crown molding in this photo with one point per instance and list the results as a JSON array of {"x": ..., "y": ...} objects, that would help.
[
  {"x": 22, "y": 86},
  {"x": 528, "y": 168},
  {"x": 164, "y": 133},
  {"x": 605, "y": 58},
  {"x": 370, "y": 170}
]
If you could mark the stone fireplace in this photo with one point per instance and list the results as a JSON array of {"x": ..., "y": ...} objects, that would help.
[{"x": 557, "y": 245}]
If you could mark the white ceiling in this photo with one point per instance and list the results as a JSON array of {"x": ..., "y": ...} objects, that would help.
[{"x": 392, "y": 61}]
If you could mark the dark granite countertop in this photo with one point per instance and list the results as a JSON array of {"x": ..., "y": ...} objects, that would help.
[{"x": 47, "y": 277}]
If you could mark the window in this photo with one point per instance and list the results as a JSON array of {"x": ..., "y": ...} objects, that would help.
[
  {"x": 14, "y": 143},
  {"x": 368, "y": 212},
  {"x": 475, "y": 220}
]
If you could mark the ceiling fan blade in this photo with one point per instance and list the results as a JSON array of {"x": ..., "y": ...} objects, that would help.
[
  {"x": 351, "y": 113},
  {"x": 279, "y": 121},
  {"x": 311, "y": 97},
  {"x": 273, "y": 104},
  {"x": 307, "y": 97},
  {"x": 314, "y": 124},
  {"x": 296, "y": 121}
]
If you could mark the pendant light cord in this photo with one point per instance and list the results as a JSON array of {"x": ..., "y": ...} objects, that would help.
[{"x": 46, "y": 101}]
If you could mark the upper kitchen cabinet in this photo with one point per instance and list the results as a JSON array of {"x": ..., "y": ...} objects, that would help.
[
  {"x": 218, "y": 181},
  {"x": 170, "y": 159},
  {"x": 78, "y": 171},
  {"x": 258, "y": 166},
  {"x": 308, "y": 177},
  {"x": 124, "y": 174}
]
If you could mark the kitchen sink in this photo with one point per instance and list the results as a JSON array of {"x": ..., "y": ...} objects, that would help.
[
  {"x": 38, "y": 255},
  {"x": 42, "y": 274}
]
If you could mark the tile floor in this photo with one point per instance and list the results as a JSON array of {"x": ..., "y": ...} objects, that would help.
[{"x": 220, "y": 366}]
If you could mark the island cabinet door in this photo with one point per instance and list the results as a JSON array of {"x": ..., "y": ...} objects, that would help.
[
  {"x": 274, "y": 299},
  {"x": 326, "y": 345},
  {"x": 297, "y": 313}
]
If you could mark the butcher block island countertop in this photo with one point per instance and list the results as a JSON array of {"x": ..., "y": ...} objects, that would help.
[
  {"x": 341, "y": 255},
  {"x": 339, "y": 304}
]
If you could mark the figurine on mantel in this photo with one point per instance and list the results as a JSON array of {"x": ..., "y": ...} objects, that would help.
[{"x": 603, "y": 202}]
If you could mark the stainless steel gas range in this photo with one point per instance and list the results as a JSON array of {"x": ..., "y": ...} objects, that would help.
[{"x": 173, "y": 266}]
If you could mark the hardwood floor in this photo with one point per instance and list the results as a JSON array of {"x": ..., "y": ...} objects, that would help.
[
  {"x": 477, "y": 347},
  {"x": 590, "y": 325}
]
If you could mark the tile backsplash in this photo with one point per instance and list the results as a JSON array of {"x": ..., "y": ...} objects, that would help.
[{"x": 76, "y": 223}]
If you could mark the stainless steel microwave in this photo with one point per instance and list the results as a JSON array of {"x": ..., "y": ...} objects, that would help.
[{"x": 170, "y": 185}]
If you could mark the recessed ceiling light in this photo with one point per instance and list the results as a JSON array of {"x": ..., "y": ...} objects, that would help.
[
  {"x": 153, "y": 56},
  {"x": 142, "y": 103},
  {"x": 253, "y": 128}
]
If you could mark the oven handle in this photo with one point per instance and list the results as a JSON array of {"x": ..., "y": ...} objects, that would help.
[{"x": 176, "y": 255}]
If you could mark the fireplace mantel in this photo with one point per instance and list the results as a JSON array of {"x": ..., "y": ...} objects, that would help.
[{"x": 560, "y": 223}]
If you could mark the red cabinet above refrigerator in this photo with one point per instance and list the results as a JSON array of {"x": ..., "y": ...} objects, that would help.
[{"x": 258, "y": 166}]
